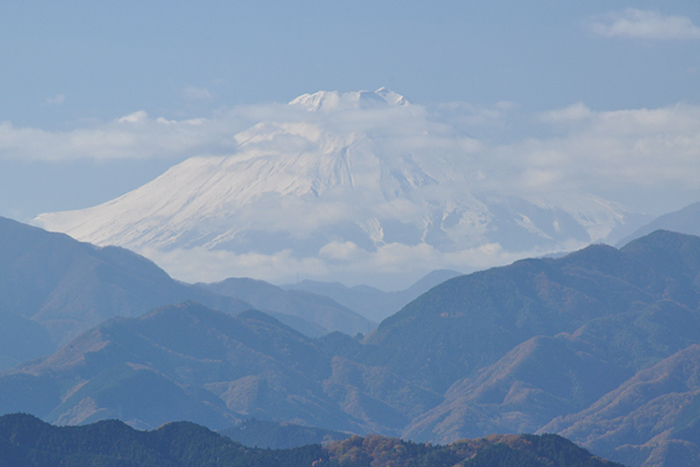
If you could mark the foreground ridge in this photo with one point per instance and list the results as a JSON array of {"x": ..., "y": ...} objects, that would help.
[{"x": 27, "y": 441}]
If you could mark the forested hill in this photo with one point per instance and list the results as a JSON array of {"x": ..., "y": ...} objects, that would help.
[{"x": 26, "y": 441}]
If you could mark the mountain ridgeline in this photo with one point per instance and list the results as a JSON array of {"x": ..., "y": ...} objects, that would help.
[
  {"x": 685, "y": 220},
  {"x": 602, "y": 346},
  {"x": 326, "y": 313},
  {"x": 479, "y": 318},
  {"x": 53, "y": 287},
  {"x": 26, "y": 441},
  {"x": 190, "y": 362},
  {"x": 371, "y": 302},
  {"x": 67, "y": 286}
]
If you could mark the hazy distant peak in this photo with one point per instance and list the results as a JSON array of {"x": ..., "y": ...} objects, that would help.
[{"x": 327, "y": 101}]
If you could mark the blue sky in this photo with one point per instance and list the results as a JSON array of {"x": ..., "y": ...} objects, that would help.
[{"x": 71, "y": 68}]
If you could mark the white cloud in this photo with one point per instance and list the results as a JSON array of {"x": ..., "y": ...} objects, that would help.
[
  {"x": 645, "y": 24},
  {"x": 133, "y": 136},
  {"x": 136, "y": 117},
  {"x": 394, "y": 266},
  {"x": 478, "y": 114},
  {"x": 201, "y": 264},
  {"x": 340, "y": 251},
  {"x": 55, "y": 100},
  {"x": 578, "y": 111},
  {"x": 570, "y": 147},
  {"x": 139, "y": 135},
  {"x": 573, "y": 147},
  {"x": 630, "y": 149},
  {"x": 581, "y": 147}
]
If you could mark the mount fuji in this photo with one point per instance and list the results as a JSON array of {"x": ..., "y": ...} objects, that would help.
[{"x": 361, "y": 187}]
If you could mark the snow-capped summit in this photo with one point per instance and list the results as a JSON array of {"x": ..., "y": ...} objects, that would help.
[
  {"x": 357, "y": 187},
  {"x": 329, "y": 101}
]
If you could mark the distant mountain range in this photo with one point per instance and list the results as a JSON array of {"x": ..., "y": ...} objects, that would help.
[
  {"x": 323, "y": 311},
  {"x": 54, "y": 287},
  {"x": 179, "y": 362},
  {"x": 67, "y": 286},
  {"x": 546, "y": 339},
  {"x": 600, "y": 345},
  {"x": 371, "y": 302},
  {"x": 686, "y": 220},
  {"x": 340, "y": 185}
]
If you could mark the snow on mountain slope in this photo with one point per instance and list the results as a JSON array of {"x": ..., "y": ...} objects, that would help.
[{"x": 344, "y": 186}]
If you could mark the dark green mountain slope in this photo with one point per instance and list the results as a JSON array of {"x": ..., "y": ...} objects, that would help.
[
  {"x": 68, "y": 286},
  {"x": 28, "y": 442}
]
